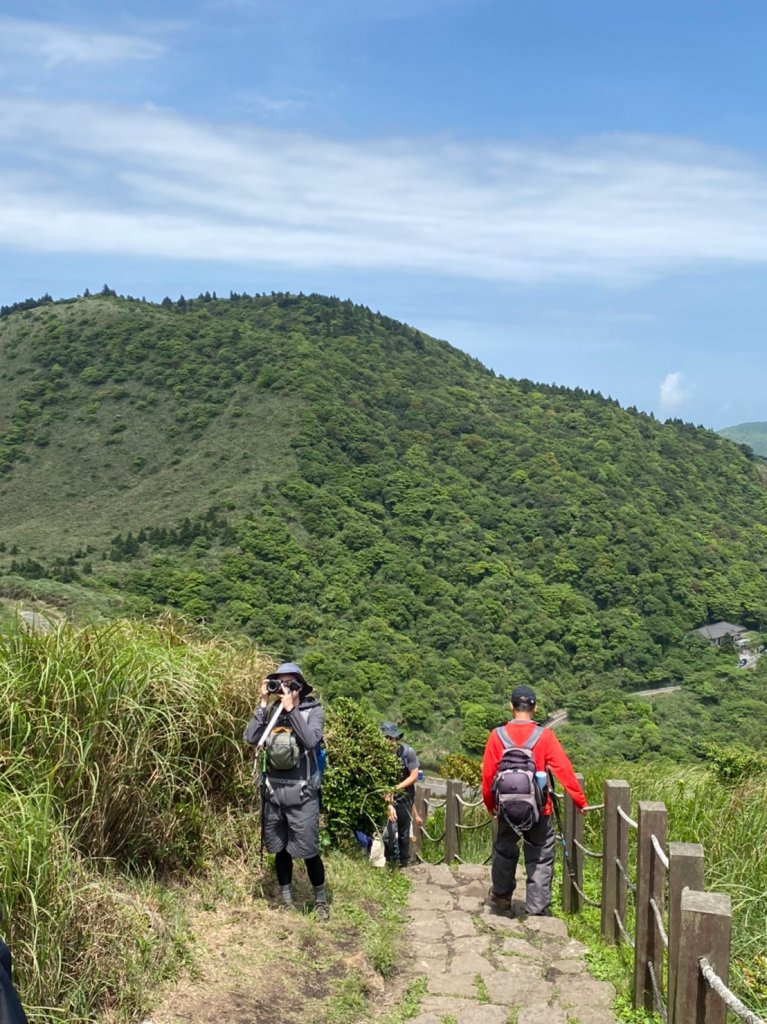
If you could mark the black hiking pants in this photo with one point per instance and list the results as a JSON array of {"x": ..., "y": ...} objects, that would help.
[{"x": 403, "y": 805}]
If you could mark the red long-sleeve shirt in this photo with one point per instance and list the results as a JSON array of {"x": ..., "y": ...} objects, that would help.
[{"x": 547, "y": 753}]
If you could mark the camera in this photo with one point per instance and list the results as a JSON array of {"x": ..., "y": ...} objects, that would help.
[{"x": 276, "y": 685}]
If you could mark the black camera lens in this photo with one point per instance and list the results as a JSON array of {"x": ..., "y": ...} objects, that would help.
[{"x": 273, "y": 685}]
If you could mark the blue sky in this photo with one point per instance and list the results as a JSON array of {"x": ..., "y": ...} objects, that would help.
[{"x": 574, "y": 192}]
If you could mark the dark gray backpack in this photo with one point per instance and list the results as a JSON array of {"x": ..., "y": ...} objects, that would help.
[{"x": 518, "y": 797}]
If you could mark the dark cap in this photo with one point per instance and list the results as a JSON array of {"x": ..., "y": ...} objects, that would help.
[
  {"x": 522, "y": 695},
  {"x": 289, "y": 668},
  {"x": 391, "y": 731}
]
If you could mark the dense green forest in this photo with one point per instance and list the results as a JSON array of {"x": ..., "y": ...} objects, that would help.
[
  {"x": 421, "y": 533},
  {"x": 752, "y": 434}
]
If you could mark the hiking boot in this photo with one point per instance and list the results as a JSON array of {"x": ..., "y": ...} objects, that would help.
[
  {"x": 542, "y": 913},
  {"x": 498, "y": 904},
  {"x": 285, "y": 899},
  {"x": 321, "y": 908},
  {"x": 322, "y": 911}
]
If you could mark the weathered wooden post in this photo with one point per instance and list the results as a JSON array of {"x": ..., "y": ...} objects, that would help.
[
  {"x": 704, "y": 931},
  {"x": 573, "y": 834},
  {"x": 452, "y": 820},
  {"x": 615, "y": 846},
  {"x": 648, "y": 945},
  {"x": 420, "y": 807},
  {"x": 685, "y": 871}
]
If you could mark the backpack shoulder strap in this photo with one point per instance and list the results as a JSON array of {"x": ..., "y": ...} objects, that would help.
[
  {"x": 529, "y": 743},
  {"x": 534, "y": 736},
  {"x": 504, "y": 737}
]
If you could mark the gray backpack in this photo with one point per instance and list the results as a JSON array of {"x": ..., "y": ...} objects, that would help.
[{"x": 518, "y": 797}]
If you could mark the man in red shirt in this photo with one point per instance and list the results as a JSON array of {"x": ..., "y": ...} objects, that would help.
[{"x": 539, "y": 840}]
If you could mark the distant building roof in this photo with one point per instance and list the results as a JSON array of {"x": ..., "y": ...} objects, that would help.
[{"x": 719, "y": 629}]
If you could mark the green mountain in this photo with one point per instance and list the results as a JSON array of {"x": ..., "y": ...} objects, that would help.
[
  {"x": 752, "y": 434},
  {"x": 348, "y": 491}
]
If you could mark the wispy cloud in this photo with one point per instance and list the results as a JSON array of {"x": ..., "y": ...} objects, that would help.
[
  {"x": 611, "y": 210},
  {"x": 272, "y": 104},
  {"x": 673, "y": 394},
  {"x": 53, "y": 44}
]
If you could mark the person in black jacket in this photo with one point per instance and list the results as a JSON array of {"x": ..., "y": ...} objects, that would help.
[
  {"x": 403, "y": 796},
  {"x": 291, "y": 804},
  {"x": 11, "y": 1011}
]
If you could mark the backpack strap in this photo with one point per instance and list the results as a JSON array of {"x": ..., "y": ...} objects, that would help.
[
  {"x": 508, "y": 742},
  {"x": 312, "y": 764}
]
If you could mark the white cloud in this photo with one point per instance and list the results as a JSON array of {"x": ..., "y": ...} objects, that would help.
[
  {"x": 673, "y": 394},
  {"x": 610, "y": 209},
  {"x": 53, "y": 45}
]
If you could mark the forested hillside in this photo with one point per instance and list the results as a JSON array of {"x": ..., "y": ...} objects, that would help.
[
  {"x": 420, "y": 532},
  {"x": 752, "y": 434}
]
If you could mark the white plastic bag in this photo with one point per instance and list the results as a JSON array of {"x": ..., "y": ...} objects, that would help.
[{"x": 377, "y": 855}]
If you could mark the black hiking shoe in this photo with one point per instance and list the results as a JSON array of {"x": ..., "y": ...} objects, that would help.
[{"x": 498, "y": 904}]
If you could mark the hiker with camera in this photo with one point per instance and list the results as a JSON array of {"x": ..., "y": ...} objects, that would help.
[
  {"x": 287, "y": 733},
  {"x": 515, "y": 766},
  {"x": 397, "y": 836}
]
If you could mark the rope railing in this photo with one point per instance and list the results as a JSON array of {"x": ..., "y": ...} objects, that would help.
[
  {"x": 659, "y": 851},
  {"x": 481, "y": 824},
  {"x": 586, "y": 852},
  {"x": 629, "y": 821},
  {"x": 583, "y": 896},
  {"x": 622, "y": 871},
  {"x": 660, "y": 1006},
  {"x": 727, "y": 996},
  {"x": 593, "y": 807},
  {"x": 622, "y": 929},
  {"x": 659, "y": 922},
  {"x": 432, "y": 839},
  {"x": 467, "y": 803}
]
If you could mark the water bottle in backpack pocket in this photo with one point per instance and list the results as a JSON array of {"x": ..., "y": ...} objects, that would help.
[{"x": 519, "y": 796}]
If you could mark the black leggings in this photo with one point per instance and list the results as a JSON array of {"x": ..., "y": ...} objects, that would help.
[{"x": 283, "y": 863}]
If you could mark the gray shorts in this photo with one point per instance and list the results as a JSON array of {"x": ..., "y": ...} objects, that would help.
[{"x": 292, "y": 820}]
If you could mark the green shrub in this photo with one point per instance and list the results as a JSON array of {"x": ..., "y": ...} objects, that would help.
[
  {"x": 458, "y": 766},
  {"x": 735, "y": 762},
  {"x": 362, "y": 768}
]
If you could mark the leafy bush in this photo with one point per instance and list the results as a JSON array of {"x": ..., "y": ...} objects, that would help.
[
  {"x": 735, "y": 762},
  {"x": 362, "y": 768},
  {"x": 458, "y": 766}
]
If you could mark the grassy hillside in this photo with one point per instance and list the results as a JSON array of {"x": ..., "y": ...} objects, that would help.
[
  {"x": 345, "y": 490},
  {"x": 752, "y": 434}
]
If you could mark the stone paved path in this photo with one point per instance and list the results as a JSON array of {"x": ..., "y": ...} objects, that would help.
[{"x": 483, "y": 968}]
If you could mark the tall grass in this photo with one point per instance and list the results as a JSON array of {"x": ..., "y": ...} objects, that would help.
[{"x": 119, "y": 746}]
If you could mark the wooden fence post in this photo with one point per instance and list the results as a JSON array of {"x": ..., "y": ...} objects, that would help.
[
  {"x": 685, "y": 871},
  {"x": 615, "y": 844},
  {"x": 573, "y": 834},
  {"x": 651, "y": 879},
  {"x": 452, "y": 820},
  {"x": 705, "y": 921},
  {"x": 420, "y": 805}
]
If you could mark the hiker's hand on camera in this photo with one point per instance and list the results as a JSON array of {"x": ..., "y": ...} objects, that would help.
[
  {"x": 264, "y": 692},
  {"x": 290, "y": 699}
]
